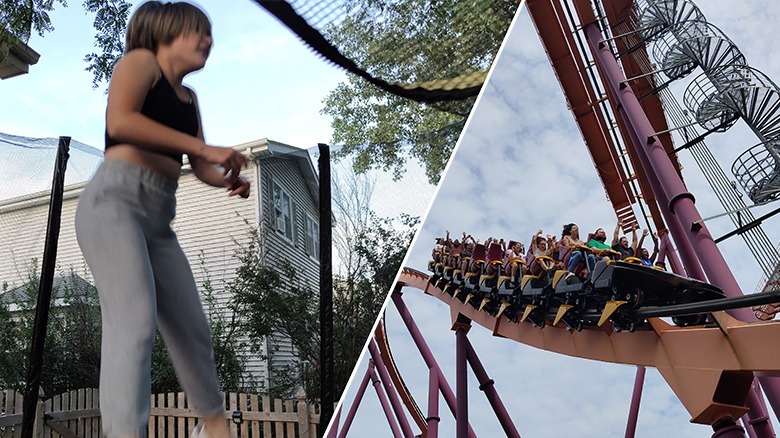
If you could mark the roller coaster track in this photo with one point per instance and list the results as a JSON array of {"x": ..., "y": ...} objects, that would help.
[
  {"x": 710, "y": 368},
  {"x": 380, "y": 336}
]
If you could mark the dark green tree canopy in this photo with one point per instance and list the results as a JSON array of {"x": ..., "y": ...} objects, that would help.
[{"x": 415, "y": 41}]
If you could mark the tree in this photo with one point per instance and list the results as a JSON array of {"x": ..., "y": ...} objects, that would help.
[
  {"x": 370, "y": 250},
  {"x": 416, "y": 40},
  {"x": 351, "y": 197},
  {"x": 22, "y": 18},
  {"x": 72, "y": 348},
  {"x": 275, "y": 302},
  {"x": 358, "y": 301}
]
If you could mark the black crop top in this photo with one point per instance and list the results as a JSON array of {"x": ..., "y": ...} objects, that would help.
[{"x": 164, "y": 106}]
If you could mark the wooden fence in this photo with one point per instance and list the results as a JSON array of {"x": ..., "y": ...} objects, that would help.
[{"x": 76, "y": 414}]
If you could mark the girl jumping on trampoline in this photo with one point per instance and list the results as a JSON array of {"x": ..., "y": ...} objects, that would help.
[{"x": 124, "y": 215}]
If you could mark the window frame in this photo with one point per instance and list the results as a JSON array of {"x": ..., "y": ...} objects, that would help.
[
  {"x": 313, "y": 237},
  {"x": 279, "y": 213}
]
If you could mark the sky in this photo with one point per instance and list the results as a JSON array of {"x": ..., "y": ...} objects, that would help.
[
  {"x": 521, "y": 166},
  {"x": 260, "y": 82}
]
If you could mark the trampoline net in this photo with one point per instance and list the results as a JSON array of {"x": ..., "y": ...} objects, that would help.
[{"x": 411, "y": 41}]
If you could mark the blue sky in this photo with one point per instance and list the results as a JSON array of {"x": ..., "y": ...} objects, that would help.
[{"x": 521, "y": 166}]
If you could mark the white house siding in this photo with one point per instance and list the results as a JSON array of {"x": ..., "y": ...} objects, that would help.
[
  {"x": 23, "y": 234},
  {"x": 208, "y": 223},
  {"x": 281, "y": 172}
]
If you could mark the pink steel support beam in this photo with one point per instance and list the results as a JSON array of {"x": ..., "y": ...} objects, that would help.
[
  {"x": 753, "y": 426},
  {"x": 461, "y": 383},
  {"x": 334, "y": 423},
  {"x": 692, "y": 267},
  {"x": 433, "y": 403},
  {"x": 667, "y": 250},
  {"x": 355, "y": 403},
  {"x": 749, "y": 430},
  {"x": 387, "y": 384},
  {"x": 425, "y": 352},
  {"x": 369, "y": 375},
  {"x": 487, "y": 385},
  {"x": 691, "y": 264},
  {"x": 636, "y": 398},
  {"x": 680, "y": 202}
]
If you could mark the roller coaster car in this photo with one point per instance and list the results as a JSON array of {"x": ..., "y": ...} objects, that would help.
[
  {"x": 433, "y": 278},
  {"x": 476, "y": 268},
  {"x": 438, "y": 269},
  {"x": 447, "y": 273},
  {"x": 625, "y": 285},
  {"x": 445, "y": 278},
  {"x": 573, "y": 293},
  {"x": 507, "y": 287},
  {"x": 500, "y": 297},
  {"x": 494, "y": 261},
  {"x": 573, "y": 296},
  {"x": 487, "y": 287},
  {"x": 643, "y": 286},
  {"x": 533, "y": 299},
  {"x": 455, "y": 284},
  {"x": 457, "y": 277}
]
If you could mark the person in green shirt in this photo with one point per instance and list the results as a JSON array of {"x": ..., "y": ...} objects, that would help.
[{"x": 598, "y": 243}]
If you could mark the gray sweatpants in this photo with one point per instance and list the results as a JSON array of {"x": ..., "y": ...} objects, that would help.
[{"x": 144, "y": 280}]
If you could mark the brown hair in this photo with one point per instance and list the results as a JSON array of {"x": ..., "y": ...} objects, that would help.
[{"x": 155, "y": 23}]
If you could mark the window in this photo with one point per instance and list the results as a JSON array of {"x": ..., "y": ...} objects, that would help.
[
  {"x": 283, "y": 212},
  {"x": 312, "y": 237}
]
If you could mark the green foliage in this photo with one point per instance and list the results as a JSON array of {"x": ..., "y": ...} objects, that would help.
[
  {"x": 12, "y": 372},
  {"x": 22, "y": 18},
  {"x": 110, "y": 23},
  {"x": 72, "y": 348},
  {"x": 415, "y": 41},
  {"x": 384, "y": 246},
  {"x": 269, "y": 302},
  {"x": 357, "y": 300},
  {"x": 276, "y": 302}
]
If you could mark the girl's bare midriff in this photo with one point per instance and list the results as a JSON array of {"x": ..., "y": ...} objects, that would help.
[{"x": 161, "y": 164}]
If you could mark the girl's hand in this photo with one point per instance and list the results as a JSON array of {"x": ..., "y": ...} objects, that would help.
[
  {"x": 239, "y": 186},
  {"x": 231, "y": 160}
]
